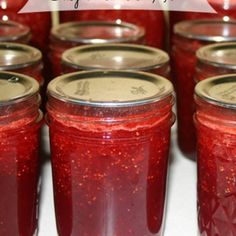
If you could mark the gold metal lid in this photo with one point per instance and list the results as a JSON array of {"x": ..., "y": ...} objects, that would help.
[
  {"x": 91, "y": 32},
  {"x": 13, "y": 31},
  {"x": 15, "y": 56},
  {"x": 219, "y": 90},
  {"x": 219, "y": 55},
  {"x": 110, "y": 88},
  {"x": 207, "y": 30},
  {"x": 16, "y": 87},
  {"x": 115, "y": 57}
]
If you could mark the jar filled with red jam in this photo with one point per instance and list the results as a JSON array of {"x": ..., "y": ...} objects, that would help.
[
  {"x": 215, "y": 59},
  {"x": 116, "y": 57},
  {"x": 189, "y": 37},
  {"x": 20, "y": 120},
  {"x": 215, "y": 120},
  {"x": 21, "y": 59},
  {"x": 11, "y": 31},
  {"x": 152, "y": 21},
  {"x": 110, "y": 148},
  {"x": 73, "y": 34}
]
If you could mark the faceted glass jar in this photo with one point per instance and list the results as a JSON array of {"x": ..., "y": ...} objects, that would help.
[
  {"x": 215, "y": 120},
  {"x": 20, "y": 120},
  {"x": 73, "y": 34},
  {"x": 110, "y": 148},
  {"x": 189, "y": 37},
  {"x": 116, "y": 57}
]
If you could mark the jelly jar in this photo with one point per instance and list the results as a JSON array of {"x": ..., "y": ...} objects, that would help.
[
  {"x": 215, "y": 59},
  {"x": 21, "y": 59},
  {"x": 215, "y": 120},
  {"x": 73, "y": 34},
  {"x": 152, "y": 21},
  {"x": 116, "y": 57},
  {"x": 110, "y": 148},
  {"x": 11, "y": 31},
  {"x": 20, "y": 120},
  {"x": 189, "y": 37}
]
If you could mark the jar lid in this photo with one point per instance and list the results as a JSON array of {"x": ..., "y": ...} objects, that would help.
[
  {"x": 91, "y": 32},
  {"x": 219, "y": 55},
  {"x": 219, "y": 90},
  {"x": 13, "y": 31},
  {"x": 110, "y": 88},
  {"x": 15, "y": 56},
  {"x": 115, "y": 56},
  {"x": 207, "y": 30},
  {"x": 16, "y": 87}
]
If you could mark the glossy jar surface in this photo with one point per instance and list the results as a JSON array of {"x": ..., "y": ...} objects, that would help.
[
  {"x": 116, "y": 57},
  {"x": 73, "y": 34},
  {"x": 110, "y": 152},
  {"x": 152, "y": 21},
  {"x": 20, "y": 121},
  {"x": 215, "y": 120},
  {"x": 189, "y": 37}
]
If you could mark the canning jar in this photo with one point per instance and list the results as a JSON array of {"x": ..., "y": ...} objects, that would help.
[
  {"x": 215, "y": 120},
  {"x": 20, "y": 120},
  {"x": 152, "y": 21},
  {"x": 73, "y": 34},
  {"x": 110, "y": 151},
  {"x": 189, "y": 37},
  {"x": 116, "y": 57}
]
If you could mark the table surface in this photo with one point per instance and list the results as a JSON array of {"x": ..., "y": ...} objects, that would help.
[{"x": 181, "y": 214}]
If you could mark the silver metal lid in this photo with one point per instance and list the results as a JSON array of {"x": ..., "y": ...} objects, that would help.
[
  {"x": 219, "y": 90},
  {"x": 15, "y": 56},
  {"x": 91, "y": 32},
  {"x": 12, "y": 31},
  {"x": 115, "y": 57},
  {"x": 16, "y": 87},
  {"x": 219, "y": 55},
  {"x": 207, "y": 30},
  {"x": 110, "y": 88}
]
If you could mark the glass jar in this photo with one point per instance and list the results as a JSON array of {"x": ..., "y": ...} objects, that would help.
[
  {"x": 11, "y": 31},
  {"x": 73, "y": 34},
  {"x": 110, "y": 148},
  {"x": 21, "y": 59},
  {"x": 215, "y": 120},
  {"x": 155, "y": 35},
  {"x": 20, "y": 120},
  {"x": 116, "y": 57},
  {"x": 215, "y": 59},
  {"x": 189, "y": 37}
]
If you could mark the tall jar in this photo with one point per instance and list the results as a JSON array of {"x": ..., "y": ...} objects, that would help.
[
  {"x": 152, "y": 21},
  {"x": 116, "y": 57},
  {"x": 20, "y": 120},
  {"x": 110, "y": 148},
  {"x": 215, "y": 59},
  {"x": 189, "y": 37},
  {"x": 215, "y": 120},
  {"x": 73, "y": 34}
]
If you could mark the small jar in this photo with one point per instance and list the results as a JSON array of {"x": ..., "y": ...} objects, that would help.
[
  {"x": 73, "y": 34},
  {"x": 20, "y": 120},
  {"x": 116, "y": 57},
  {"x": 110, "y": 151},
  {"x": 189, "y": 37},
  {"x": 11, "y": 31},
  {"x": 215, "y": 120},
  {"x": 215, "y": 59},
  {"x": 152, "y": 21}
]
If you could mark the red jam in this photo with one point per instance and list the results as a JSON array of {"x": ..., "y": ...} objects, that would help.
[
  {"x": 189, "y": 37},
  {"x": 152, "y": 21},
  {"x": 216, "y": 132},
  {"x": 19, "y": 144},
  {"x": 110, "y": 152}
]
